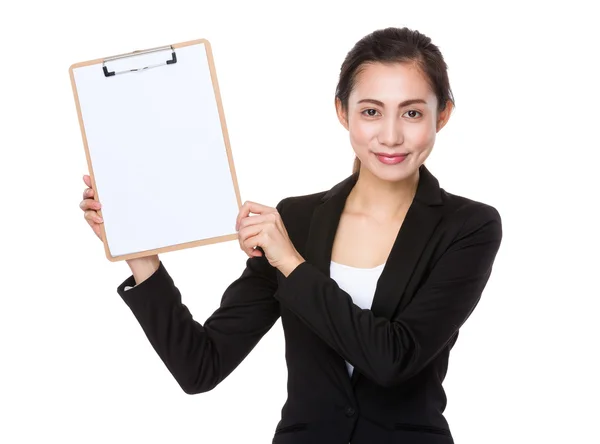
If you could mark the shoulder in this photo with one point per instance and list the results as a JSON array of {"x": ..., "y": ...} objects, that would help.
[
  {"x": 469, "y": 215},
  {"x": 295, "y": 204},
  {"x": 297, "y": 215},
  {"x": 470, "y": 207}
]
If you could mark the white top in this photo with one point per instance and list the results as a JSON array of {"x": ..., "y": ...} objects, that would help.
[{"x": 359, "y": 283}]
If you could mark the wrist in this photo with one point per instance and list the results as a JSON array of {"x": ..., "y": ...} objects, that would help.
[
  {"x": 287, "y": 267},
  {"x": 143, "y": 267}
]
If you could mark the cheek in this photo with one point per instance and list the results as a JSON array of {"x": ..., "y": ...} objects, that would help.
[
  {"x": 421, "y": 135},
  {"x": 424, "y": 138},
  {"x": 361, "y": 133}
]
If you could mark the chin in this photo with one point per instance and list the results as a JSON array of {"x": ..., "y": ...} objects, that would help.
[
  {"x": 391, "y": 173},
  {"x": 392, "y": 176}
]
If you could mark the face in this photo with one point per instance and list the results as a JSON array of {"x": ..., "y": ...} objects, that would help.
[{"x": 392, "y": 110}]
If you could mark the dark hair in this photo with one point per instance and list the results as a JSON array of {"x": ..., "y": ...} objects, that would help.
[{"x": 395, "y": 45}]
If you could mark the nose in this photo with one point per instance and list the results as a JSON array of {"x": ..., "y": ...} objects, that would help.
[{"x": 390, "y": 133}]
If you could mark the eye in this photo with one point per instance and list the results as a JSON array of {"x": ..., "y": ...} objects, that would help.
[
  {"x": 414, "y": 111},
  {"x": 370, "y": 112}
]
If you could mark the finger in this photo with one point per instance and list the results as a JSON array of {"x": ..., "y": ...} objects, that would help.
[
  {"x": 92, "y": 216},
  {"x": 246, "y": 233},
  {"x": 252, "y": 207},
  {"x": 253, "y": 220},
  {"x": 88, "y": 193},
  {"x": 87, "y": 180},
  {"x": 89, "y": 204},
  {"x": 244, "y": 212},
  {"x": 251, "y": 243},
  {"x": 256, "y": 253}
]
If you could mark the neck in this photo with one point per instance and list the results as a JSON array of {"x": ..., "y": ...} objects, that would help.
[{"x": 382, "y": 199}]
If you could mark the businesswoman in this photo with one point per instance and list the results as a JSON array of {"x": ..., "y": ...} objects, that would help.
[{"x": 372, "y": 278}]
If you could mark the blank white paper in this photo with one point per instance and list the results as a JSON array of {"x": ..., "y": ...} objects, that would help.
[{"x": 158, "y": 151}]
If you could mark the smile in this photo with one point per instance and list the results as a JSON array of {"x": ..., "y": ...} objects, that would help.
[{"x": 391, "y": 160}]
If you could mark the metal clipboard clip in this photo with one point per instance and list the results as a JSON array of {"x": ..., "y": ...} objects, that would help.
[{"x": 108, "y": 73}]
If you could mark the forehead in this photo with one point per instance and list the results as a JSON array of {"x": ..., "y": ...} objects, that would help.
[{"x": 393, "y": 82}]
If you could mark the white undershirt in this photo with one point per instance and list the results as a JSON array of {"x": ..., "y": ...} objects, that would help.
[{"x": 359, "y": 283}]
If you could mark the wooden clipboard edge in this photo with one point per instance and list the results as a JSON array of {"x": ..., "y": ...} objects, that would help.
[{"x": 208, "y": 241}]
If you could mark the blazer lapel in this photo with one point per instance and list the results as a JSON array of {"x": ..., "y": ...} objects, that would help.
[{"x": 422, "y": 217}]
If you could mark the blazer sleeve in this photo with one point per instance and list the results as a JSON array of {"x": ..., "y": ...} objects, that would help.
[
  {"x": 390, "y": 351},
  {"x": 200, "y": 356}
]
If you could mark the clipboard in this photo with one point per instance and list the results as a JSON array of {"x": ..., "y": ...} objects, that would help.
[{"x": 157, "y": 149}]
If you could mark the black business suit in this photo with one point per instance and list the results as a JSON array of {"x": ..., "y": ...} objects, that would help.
[{"x": 434, "y": 276}]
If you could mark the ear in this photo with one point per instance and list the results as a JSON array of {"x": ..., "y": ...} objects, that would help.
[
  {"x": 341, "y": 114},
  {"x": 444, "y": 116}
]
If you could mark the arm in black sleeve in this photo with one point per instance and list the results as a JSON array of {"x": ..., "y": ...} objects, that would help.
[
  {"x": 200, "y": 356},
  {"x": 390, "y": 351}
]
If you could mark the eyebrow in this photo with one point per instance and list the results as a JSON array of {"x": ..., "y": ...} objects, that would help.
[{"x": 405, "y": 103}]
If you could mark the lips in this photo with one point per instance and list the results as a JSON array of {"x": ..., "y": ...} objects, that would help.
[
  {"x": 391, "y": 159},
  {"x": 392, "y": 155}
]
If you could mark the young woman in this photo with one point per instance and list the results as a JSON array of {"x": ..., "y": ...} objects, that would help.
[{"x": 372, "y": 278}]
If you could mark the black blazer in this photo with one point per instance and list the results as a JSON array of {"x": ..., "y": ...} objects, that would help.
[{"x": 433, "y": 279}]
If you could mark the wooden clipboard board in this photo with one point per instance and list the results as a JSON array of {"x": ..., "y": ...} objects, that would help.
[{"x": 157, "y": 149}]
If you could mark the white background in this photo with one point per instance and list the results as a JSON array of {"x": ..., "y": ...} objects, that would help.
[{"x": 75, "y": 365}]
